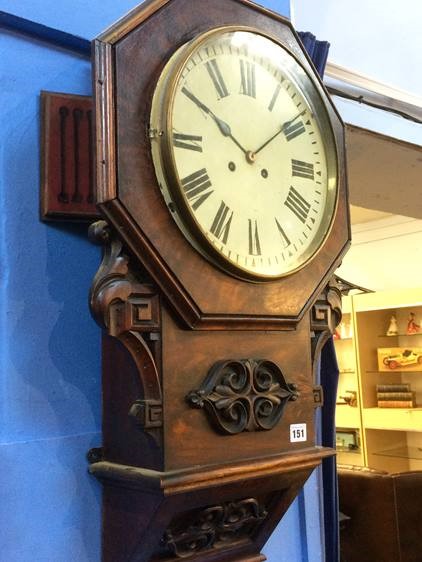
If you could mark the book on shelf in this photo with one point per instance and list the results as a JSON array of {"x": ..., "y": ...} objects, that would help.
[
  {"x": 395, "y": 395},
  {"x": 396, "y": 404},
  {"x": 403, "y": 387}
]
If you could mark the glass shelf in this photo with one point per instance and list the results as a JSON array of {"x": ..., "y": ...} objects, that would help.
[
  {"x": 400, "y": 335},
  {"x": 346, "y": 450},
  {"x": 414, "y": 453},
  {"x": 346, "y": 371},
  {"x": 393, "y": 371},
  {"x": 349, "y": 338},
  {"x": 404, "y": 409}
]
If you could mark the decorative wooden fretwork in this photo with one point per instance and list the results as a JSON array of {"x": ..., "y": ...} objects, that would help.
[
  {"x": 213, "y": 527},
  {"x": 245, "y": 395}
]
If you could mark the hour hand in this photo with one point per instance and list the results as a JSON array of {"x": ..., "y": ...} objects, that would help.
[{"x": 283, "y": 128}]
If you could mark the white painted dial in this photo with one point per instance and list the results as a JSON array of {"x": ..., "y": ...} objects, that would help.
[{"x": 244, "y": 153}]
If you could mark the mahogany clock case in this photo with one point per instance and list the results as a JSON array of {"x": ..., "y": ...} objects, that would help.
[
  {"x": 190, "y": 471},
  {"x": 129, "y": 60}
]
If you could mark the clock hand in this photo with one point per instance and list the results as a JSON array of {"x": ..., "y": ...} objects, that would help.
[
  {"x": 222, "y": 125},
  {"x": 283, "y": 128}
]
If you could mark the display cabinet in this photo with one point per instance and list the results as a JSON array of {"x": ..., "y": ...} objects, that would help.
[
  {"x": 387, "y": 344},
  {"x": 348, "y": 414}
]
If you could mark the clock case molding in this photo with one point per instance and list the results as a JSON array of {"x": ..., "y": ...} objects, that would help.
[{"x": 203, "y": 373}]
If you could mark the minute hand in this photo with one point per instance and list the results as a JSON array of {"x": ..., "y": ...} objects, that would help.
[
  {"x": 222, "y": 125},
  {"x": 283, "y": 128}
]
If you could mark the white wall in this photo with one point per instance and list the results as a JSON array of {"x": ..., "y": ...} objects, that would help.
[
  {"x": 385, "y": 254},
  {"x": 382, "y": 40},
  {"x": 377, "y": 38}
]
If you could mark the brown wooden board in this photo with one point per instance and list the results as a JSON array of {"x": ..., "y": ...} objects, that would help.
[
  {"x": 187, "y": 357},
  {"x": 67, "y": 184}
]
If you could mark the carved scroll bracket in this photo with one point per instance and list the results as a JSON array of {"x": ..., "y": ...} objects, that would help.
[
  {"x": 325, "y": 317},
  {"x": 118, "y": 301},
  {"x": 128, "y": 311},
  {"x": 245, "y": 395}
]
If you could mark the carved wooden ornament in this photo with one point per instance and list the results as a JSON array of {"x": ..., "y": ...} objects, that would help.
[
  {"x": 206, "y": 369},
  {"x": 246, "y": 395}
]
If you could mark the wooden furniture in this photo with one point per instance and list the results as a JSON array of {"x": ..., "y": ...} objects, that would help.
[
  {"x": 208, "y": 373},
  {"x": 348, "y": 411},
  {"x": 385, "y": 514},
  {"x": 391, "y": 438}
]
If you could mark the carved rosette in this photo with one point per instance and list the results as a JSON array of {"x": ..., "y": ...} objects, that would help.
[
  {"x": 213, "y": 527},
  {"x": 245, "y": 395}
]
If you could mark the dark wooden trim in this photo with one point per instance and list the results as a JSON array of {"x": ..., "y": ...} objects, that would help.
[
  {"x": 105, "y": 122},
  {"x": 182, "y": 481}
]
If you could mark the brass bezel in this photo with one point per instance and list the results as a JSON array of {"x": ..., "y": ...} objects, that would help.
[{"x": 166, "y": 170}]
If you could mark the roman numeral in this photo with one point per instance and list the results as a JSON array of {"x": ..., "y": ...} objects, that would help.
[
  {"x": 217, "y": 78},
  {"x": 296, "y": 203},
  {"x": 274, "y": 98},
  {"x": 196, "y": 187},
  {"x": 222, "y": 222},
  {"x": 303, "y": 169},
  {"x": 189, "y": 142},
  {"x": 247, "y": 75},
  {"x": 254, "y": 244},
  {"x": 293, "y": 130},
  {"x": 284, "y": 237}
]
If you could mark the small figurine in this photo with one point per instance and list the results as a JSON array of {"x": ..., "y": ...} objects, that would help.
[
  {"x": 392, "y": 328},
  {"x": 351, "y": 398},
  {"x": 412, "y": 326}
]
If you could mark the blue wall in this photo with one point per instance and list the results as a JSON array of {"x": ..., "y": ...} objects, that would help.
[
  {"x": 50, "y": 399},
  {"x": 49, "y": 346}
]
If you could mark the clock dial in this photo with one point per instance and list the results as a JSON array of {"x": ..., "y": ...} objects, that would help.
[{"x": 244, "y": 153}]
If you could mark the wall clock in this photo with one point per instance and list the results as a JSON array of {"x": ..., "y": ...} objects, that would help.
[
  {"x": 244, "y": 152},
  {"x": 221, "y": 176}
]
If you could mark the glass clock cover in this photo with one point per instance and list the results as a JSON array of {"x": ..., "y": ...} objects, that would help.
[{"x": 244, "y": 153}]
